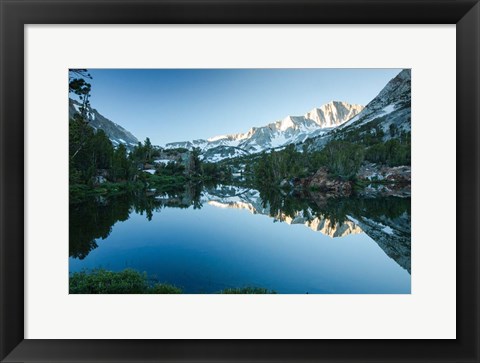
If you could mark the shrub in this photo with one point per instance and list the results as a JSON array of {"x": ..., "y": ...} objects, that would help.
[
  {"x": 343, "y": 158},
  {"x": 108, "y": 282},
  {"x": 247, "y": 290},
  {"x": 164, "y": 289}
]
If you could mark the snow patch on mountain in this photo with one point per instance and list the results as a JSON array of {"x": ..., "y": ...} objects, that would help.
[
  {"x": 291, "y": 129},
  {"x": 116, "y": 133},
  {"x": 393, "y": 103},
  {"x": 388, "y": 109}
]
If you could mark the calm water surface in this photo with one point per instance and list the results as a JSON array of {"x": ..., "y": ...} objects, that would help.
[{"x": 211, "y": 239}]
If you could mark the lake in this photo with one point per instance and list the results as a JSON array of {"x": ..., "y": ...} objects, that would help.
[{"x": 204, "y": 240}]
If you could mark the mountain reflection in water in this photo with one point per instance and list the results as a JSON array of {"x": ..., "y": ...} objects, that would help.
[{"x": 385, "y": 220}]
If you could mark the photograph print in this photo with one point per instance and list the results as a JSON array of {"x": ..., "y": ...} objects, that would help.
[{"x": 240, "y": 181}]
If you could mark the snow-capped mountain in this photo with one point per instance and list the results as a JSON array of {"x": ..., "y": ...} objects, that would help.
[
  {"x": 291, "y": 129},
  {"x": 389, "y": 111},
  {"x": 117, "y": 134},
  {"x": 392, "y": 104},
  {"x": 333, "y": 114}
]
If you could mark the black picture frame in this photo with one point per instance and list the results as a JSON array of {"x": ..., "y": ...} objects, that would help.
[{"x": 17, "y": 13}]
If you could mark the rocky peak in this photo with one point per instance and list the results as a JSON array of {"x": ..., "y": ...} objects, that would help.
[{"x": 333, "y": 113}]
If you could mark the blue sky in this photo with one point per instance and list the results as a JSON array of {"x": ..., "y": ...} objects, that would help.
[{"x": 185, "y": 104}]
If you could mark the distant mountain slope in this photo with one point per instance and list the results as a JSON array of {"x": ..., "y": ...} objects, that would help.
[
  {"x": 291, "y": 129},
  {"x": 117, "y": 134},
  {"x": 389, "y": 111},
  {"x": 392, "y": 104}
]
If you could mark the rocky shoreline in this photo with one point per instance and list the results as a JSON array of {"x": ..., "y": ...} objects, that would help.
[{"x": 372, "y": 180}]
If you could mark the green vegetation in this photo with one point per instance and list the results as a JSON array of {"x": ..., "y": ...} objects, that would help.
[
  {"x": 78, "y": 85},
  {"x": 97, "y": 167},
  {"x": 342, "y": 156},
  {"x": 79, "y": 192},
  {"x": 133, "y": 282},
  {"x": 107, "y": 182},
  {"x": 213, "y": 172},
  {"x": 273, "y": 168},
  {"x": 193, "y": 169},
  {"x": 164, "y": 182},
  {"x": 124, "y": 282},
  {"x": 247, "y": 290},
  {"x": 394, "y": 152},
  {"x": 342, "y": 159}
]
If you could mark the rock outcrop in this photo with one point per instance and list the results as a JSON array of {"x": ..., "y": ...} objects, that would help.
[
  {"x": 323, "y": 182},
  {"x": 385, "y": 181}
]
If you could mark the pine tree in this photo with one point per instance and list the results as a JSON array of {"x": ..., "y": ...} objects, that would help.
[{"x": 78, "y": 85}]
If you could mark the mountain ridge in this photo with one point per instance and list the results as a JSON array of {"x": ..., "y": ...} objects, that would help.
[
  {"x": 116, "y": 133},
  {"x": 389, "y": 112},
  {"x": 291, "y": 129}
]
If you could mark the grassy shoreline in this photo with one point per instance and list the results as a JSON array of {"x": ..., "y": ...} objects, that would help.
[
  {"x": 129, "y": 281},
  {"x": 79, "y": 192}
]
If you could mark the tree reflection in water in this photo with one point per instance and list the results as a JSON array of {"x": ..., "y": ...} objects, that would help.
[{"x": 386, "y": 220}]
